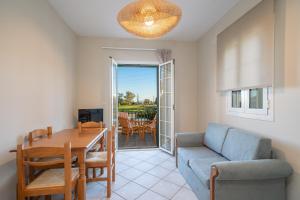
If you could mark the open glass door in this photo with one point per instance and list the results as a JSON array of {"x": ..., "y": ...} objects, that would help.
[
  {"x": 166, "y": 106},
  {"x": 114, "y": 103}
]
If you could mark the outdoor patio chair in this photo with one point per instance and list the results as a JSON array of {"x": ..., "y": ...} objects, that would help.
[
  {"x": 150, "y": 127},
  {"x": 129, "y": 126}
]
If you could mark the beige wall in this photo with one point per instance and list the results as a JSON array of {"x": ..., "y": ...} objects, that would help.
[
  {"x": 37, "y": 78},
  {"x": 93, "y": 77},
  {"x": 285, "y": 129},
  {"x": 37, "y": 74}
]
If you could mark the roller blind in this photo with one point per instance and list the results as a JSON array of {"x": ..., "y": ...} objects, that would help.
[{"x": 246, "y": 50}]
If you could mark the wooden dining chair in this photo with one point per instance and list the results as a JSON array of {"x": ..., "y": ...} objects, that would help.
[
  {"x": 105, "y": 159},
  {"x": 37, "y": 134},
  {"x": 150, "y": 127},
  {"x": 99, "y": 146},
  {"x": 92, "y": 126},
  {"x": 89, "y": 126},
  {"x": 50, "y": 181}
]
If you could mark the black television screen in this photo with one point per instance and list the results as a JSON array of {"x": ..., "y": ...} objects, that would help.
[{"x": 87, "y": 115}]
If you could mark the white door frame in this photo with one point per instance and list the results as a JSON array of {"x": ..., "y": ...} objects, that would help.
[
  {"x": 113, "y": 62},
  {"x": 171, "y": 151}
]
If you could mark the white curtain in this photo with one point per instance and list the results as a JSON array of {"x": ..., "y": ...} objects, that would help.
[
  {"x": 164, "y": 55},
  {"x": 246, "y": 50}
]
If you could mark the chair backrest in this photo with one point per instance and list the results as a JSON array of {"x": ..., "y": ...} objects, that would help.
[
  {"x": 124, "y": 122},
  {"x": 90, "y": 126},
  {"x": 110, "y": 144},
  {"x": 123, "y": 115},
  {"x": 123, "y": 118},
  {"x": 31, "y": 157},
  {"x": 153, "y": 122},
  {"x": 39, "y": 133}
]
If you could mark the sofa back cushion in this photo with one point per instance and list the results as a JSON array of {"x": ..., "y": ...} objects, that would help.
[
  {"x": 243, "y": 145},
  {"x": 215, "y": 135}
]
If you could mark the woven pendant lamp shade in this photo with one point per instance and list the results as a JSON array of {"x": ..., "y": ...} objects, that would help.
[{"x": 149, "y": 18}]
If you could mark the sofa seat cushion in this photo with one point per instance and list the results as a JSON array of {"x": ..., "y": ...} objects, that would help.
[
  {"x": 242, "y": 145},
  {"x": 187, "y": 153},
  {"x": 215, "y": 135},
  {"x": 202, "y": 167}
]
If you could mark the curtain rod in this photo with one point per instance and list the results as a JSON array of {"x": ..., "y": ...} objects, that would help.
[{"x": 129, "y": 49}]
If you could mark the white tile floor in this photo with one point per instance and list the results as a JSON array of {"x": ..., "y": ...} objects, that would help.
[{"x": 144, "y": 175}]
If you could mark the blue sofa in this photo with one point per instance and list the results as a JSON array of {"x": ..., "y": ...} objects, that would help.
[{"x": 226, "y": 163}]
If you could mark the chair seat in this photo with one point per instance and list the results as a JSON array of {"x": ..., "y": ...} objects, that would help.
[
  {"x": 52, "y": 178},
  {"x": 95, "y": 148},
  {"x": 96, "y": 157}
]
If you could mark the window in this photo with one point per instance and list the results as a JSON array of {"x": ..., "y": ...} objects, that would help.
[
  {"x": 236, "y": 101},
  {"x": 256, "y": 98},
  {"x": 255, "y": 103}
]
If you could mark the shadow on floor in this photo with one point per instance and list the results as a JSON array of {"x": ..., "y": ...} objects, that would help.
[{"x": 135, "y": 142}]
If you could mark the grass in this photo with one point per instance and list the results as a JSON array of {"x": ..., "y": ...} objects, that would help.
[
  {"x": 140, "y": 111},
  {"x": 135, "y": 108}
]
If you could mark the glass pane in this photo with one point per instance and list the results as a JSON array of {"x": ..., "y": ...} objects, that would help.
[
  {"x": 168, "y": 84},
  {"x": 256, "y": 98},
  {"x": 162, "y": 141},
  {"x": 168, "y": 114},
  {"x": 168, "y": 70},
  {"x": 168, "y": 143},
  {"x": 163, "y": 99},
  {"x": 162, "y": 128},
  {"x": 165, "y": 72},
  {"x": 168, "y": 129},
  {"x": 162, "y": 74},
  {"x": 162, "y": 114},
  {"x": 168, "y": 99},
  {"x": 162, "y": 86},
  {"x": 114, "y": 95},
  {"x": 236, "y": 99}
]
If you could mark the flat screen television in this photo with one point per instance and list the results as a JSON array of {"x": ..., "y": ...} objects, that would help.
[{"x": 87, "y": 115}]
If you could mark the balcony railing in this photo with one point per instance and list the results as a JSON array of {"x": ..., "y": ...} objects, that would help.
[
  {"x": 139, "y": 112},
  {"x": 141, "y": 116}
]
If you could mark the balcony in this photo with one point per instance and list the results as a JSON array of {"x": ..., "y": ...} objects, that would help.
[{"x": 137, "y": 129}]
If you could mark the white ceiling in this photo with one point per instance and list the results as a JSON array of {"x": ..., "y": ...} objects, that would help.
[{"x": 98, "y": 17}]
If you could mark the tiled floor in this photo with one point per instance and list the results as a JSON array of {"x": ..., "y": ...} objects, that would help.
[{"x": 144, "y": 175}]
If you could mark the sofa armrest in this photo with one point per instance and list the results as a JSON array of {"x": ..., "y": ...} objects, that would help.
[
  {"x": 252, "y": 170},
  {"x": 189, "y": 139}
]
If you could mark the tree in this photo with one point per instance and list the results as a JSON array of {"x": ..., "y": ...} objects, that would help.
[
  {"x": 137, "y": 98},
  {"x": 128, "y": 98},
  {"x": 147, "y": 102},
  {"x": 121, "y": 98},
  {"x": 156, "y": 101}
]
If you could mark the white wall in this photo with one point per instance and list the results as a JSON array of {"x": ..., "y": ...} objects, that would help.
[
  {"x": 37, "y": 74},
  {"x": 93, "y": 77},
  {"x": 285, "y": 129}
]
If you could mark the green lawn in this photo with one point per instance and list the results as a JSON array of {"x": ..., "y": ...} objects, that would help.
[{"x": 135, "y": 108}]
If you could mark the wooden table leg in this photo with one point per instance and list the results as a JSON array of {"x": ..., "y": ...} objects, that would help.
[{"x": 82, "y": 177}]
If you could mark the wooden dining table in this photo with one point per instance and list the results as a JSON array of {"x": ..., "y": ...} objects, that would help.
[{"x": 81, "y": 142}]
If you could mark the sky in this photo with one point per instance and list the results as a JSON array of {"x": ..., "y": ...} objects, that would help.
[{"x": 139, "y": 80}]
